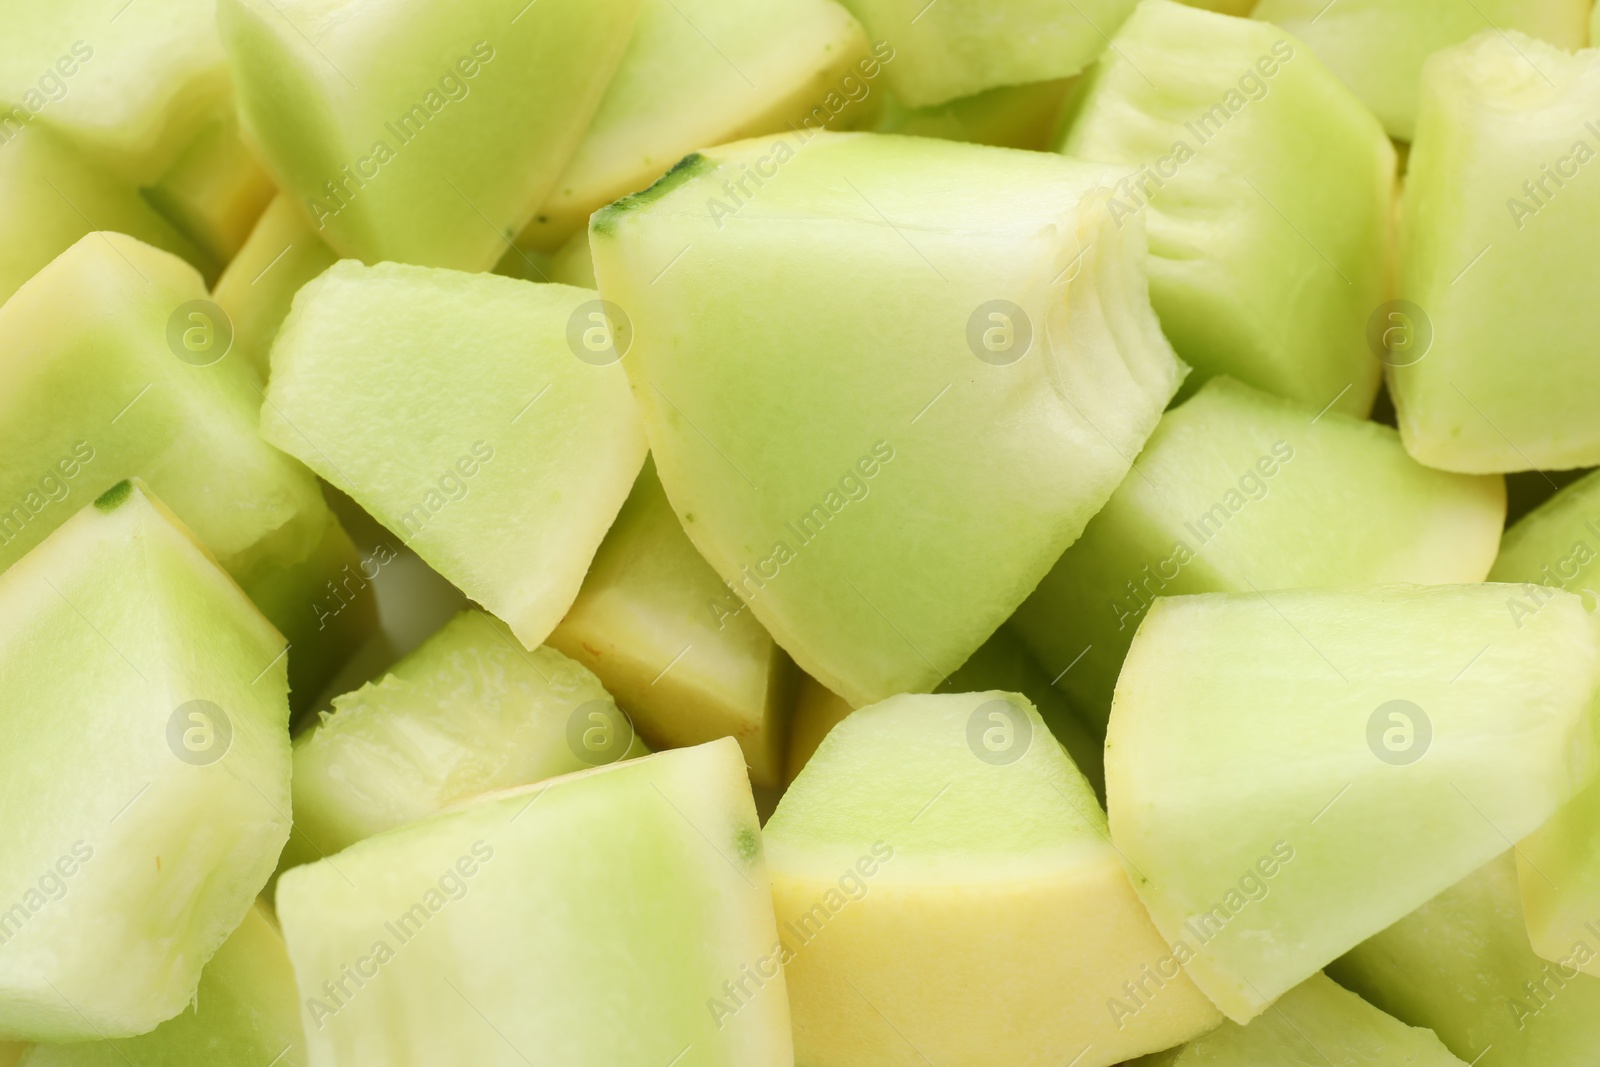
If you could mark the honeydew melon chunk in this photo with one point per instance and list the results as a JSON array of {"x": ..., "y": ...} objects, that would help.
[
  {"x": 1378, "y": 47},
  {"x": 215, "y": 191},
  {"x": 704, "y": 72},
  {"x": 1315, "y": 1022},
  {"x": 728, "y": 348},
  {"x": 961, "y": 47},
  {"x": 817, "y": 710},
  {"x": 245, "y": 1014},
  {"x": 468, "y": 712},
  {"x": 1238, "y": 491},
  {"x": 679, "y": 651},
  {"x": 1261, "y": 744},
  {"x": 588, "y": 919},
  {"x": 1495, "y": 113},
  {"x": 450, "y": 407},
  {"x": 1267, "y": 190},
  {"x": 1461, "y": 966},
  {"x": 421, "y": 134},
  {"x": 133, "y": 847},
  {"x": 281, "y": 254},
  {"x": 934, "y": 902},
  {"x": 1012, "y": 116}
]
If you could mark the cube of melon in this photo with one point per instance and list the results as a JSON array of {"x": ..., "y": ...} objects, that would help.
[
  {"x": 215, "y": 191},
  {"x": 1239, "y": 491},
  {"x": 589, "y": 921},
  {"x": 946, "y": 893},
  {"x": 1461, "y": 966},
  {"x": 456, "y": 409},
  {"x": 1495, "y": 254},
  {"x": 1267, "y": 191},
  {"x": 425, "y": 133},
  {"x": 144, "y": 781},
  {"x": 988, "y": 361},
  {"x": 281, "y": 254},
  {"x": 1261, "y": 746},
  {"x": 245, "y": 1014}
]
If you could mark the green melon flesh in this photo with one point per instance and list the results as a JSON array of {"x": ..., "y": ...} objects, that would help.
[
  {"x": 704, "y": 72},
  {"x": 124, "y": 867},
  {"x": 1245, "y": 780},
  {"x": 1461, "y": 966},
  {"x": 469, "y": 711},
  {"x": 1012, "y": 116},
  {"x": 799, "y": 448},
  {"x": 425, "y": 133},
  {"x": 1238, "y": 491},
  {"x": 281, "y": 254},
  {"x": 1266, "y": 188},
  {"x": 680, "y": 653},
  {"x": 245, "y": 1014},
  {"x": 817, "y": 710},
  {"x": 957, "y": 48},
  {"x": 585, "y": 922},
  {"x": 1318, "y": 1023},
  {"x": 1378, "y": 47},
  {"x": 450, "y": 406},
  {"x": 938, "y": 907},
  {"x": 215, "y": 191},
  {"x": 1499, "y": 267}
]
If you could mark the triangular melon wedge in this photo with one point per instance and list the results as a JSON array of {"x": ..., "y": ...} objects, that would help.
[
  {"x": 144, "y": 781},
  {"x": 1238, "y": 491},
  {"x": 1267, "y": 190},
  {"x": 946, "y": 893},
  {"x": 807, "y": 360},
  {"x": 423, "y": 133},
  {"x": 682, "y": 655},
  {"x": 1496, "y": 256},
  {"x": 1289, "y": 772},
  {"x": 468, "y": 712},
  {"x": 704, "y": 72},
  {"x": 1318, "y": 1023},
  {"x": 245, "y": 1014},
  {"x": 1378, "y": 47},
  {"x": 1461, "y": 966},
  {"x": 281, "y": 254},
  {"x": 585, "y": 922},
  {"x": 454, "y": 407}
]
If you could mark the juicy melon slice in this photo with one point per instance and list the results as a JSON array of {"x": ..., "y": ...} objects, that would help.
[
  {"x": 1238, "y": 491},
  {"x": 245, "y": 1014},
  {"x": 1461, "y": 966},
  {"x": 1495, "y": 253},
  {"x": 420, "y": 133},
  {"x": 680, "y": 653},
  {"x": 588, "y": 921},
  {"x": 1267, "y": 192},
  {"x": 451, "y": 407},
  {"x": 807, "y": 516},
  {"x": 144, "y": 783},
  {"x": 1261, "y": 745},
  {"x": 281, "y": 254},
  {"x": 468, "y": 712}
]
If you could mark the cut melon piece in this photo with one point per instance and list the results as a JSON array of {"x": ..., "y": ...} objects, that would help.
[
  {"x": 946, "y": 893},
  {"x": 1012, "y": 116},
  {"x": 1239, "y": 491},
  {"x": 1495, "y": 254},
  {"x": 468, "y": 712},
  {"x": 705, "y": 72},
  {"x": 1267, "y": 190},
  {"x": 245, "y": 1014},
  {"x": 987, "y": 340},
  {"x": 817, "y": 710},
  {"x": 282, "y": 254},
  {"x": 215, "y": 191},
  {"x": 1316, "y": 1022},
  {"x": 1378, "y": 47},
  {"x": 144, "y": 782},
  {"x": 456, "y": 409},
  {"x": 422, "y": 133},
  {"x": 956, "y": 48},
  {"x": 1261, "y": 745},
  {"x": 1461, "y": 966},
  {"x": 588, "y": 921},
  {"x": 682, "y": 655}
]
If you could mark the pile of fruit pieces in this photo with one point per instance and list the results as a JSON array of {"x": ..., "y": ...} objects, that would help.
[{"x": 667, "y": 533}]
